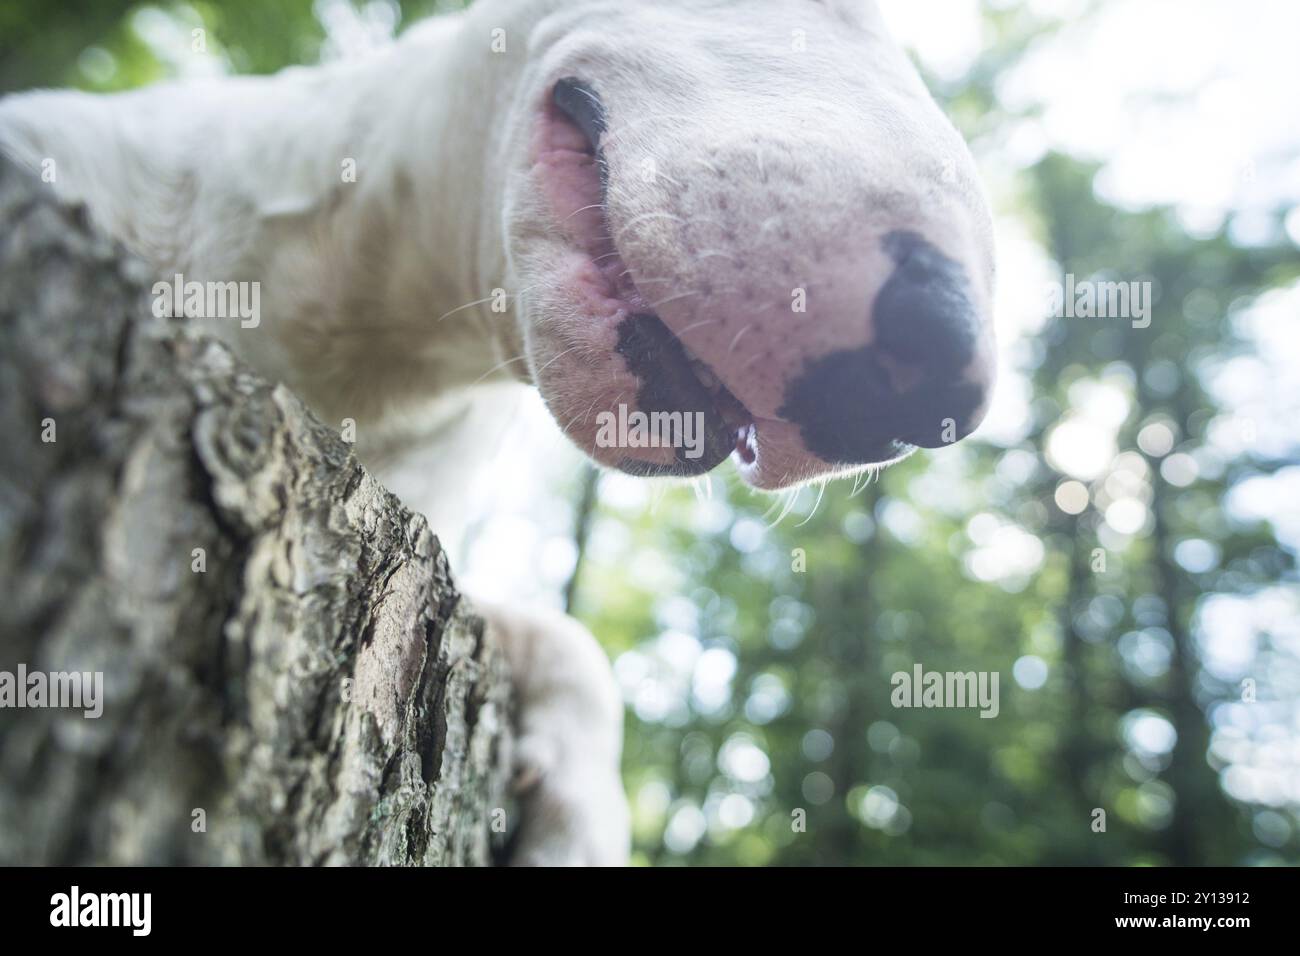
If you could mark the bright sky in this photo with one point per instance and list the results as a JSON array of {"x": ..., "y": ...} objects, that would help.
[{"x": 1189, "y": 103}]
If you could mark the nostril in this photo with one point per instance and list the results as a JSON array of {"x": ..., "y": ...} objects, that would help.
[
  {"x": 925, "y": 315},
  {"x": 920, "y": 382},
  {"x": 848, "y": 411}
]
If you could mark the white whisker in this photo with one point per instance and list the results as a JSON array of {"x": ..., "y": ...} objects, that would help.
[
  {"x": 499, "y": 366},
  {"x": 469, "y": 305},
  {"x": 594, "y": 205},
  {"x": 624, "y": 128},
  {"x": 462, "y": 308},
  {"x": 816, "y": 504},
  {"x": 792, "y": 497},
  {"x": 673, "y": 298},
  {"x": 642, "y": 218},
  {"x": 557, "y": 358},
  {"x": 697, "y": 325},
  {"x": 739, "y": 335}
]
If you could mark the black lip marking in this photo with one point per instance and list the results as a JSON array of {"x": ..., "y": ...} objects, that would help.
[
  {"x": 656, "y": 357},
  {"x": 653, "y": 354}
]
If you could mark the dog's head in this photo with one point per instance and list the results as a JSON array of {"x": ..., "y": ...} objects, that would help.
[{"x": 753, "y": 213}]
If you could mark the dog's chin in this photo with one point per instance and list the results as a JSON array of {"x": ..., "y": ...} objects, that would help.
[
  {"x": 607, "y": 371},
  {"x": 599, "y": 391},
  {"x": 623, "y": 388},
  {"x": 777, "y": 465}
]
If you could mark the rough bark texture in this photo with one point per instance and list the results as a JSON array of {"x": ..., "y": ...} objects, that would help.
[{"x": 318, "y": 694}]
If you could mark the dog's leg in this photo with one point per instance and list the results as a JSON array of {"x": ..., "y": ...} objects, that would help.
[{"x": 569, "y": 739}]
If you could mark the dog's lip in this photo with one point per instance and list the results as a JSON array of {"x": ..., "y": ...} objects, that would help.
[
  {"x": 673, "y": 377},
  {"x": 671, "y": 383}
]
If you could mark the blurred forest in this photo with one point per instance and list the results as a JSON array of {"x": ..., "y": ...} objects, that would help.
[{"x": 1120, "y": 545}]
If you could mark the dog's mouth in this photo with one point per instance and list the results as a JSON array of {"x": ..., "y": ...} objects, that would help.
[{"x": 672, "y": 379}]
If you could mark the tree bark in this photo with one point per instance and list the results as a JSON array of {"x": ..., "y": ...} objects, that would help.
[{"x": 289, "y": 674}]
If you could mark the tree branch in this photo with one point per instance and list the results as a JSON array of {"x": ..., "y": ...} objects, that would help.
[{"x": 289, "y": 674}]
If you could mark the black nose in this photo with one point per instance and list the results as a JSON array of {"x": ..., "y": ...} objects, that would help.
[
  {"x": 911, "y": 386},
  {"x": 924, "y": 315}
]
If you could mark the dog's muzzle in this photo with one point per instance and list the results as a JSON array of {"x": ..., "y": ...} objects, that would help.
[{"x": 914, "y": 385}]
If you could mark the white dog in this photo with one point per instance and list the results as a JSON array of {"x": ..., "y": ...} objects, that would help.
[{"x": 746, "y": 211}]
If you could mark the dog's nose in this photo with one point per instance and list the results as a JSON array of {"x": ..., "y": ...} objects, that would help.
[
  {"x": 922, "y": 381},
  {"x": 924, "y": 316}
]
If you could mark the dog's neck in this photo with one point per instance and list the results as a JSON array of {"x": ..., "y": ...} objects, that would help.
[{"x": 370, "y": 225}]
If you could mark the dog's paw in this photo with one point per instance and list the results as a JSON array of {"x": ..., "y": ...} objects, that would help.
[
  {"x": 533, "y": 758},
  {"x": 573, "y": 812},
  {"x": 569, "y": 733}
]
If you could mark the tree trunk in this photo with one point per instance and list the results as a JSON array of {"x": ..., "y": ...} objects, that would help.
[{"x": 289, "y": 675}]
